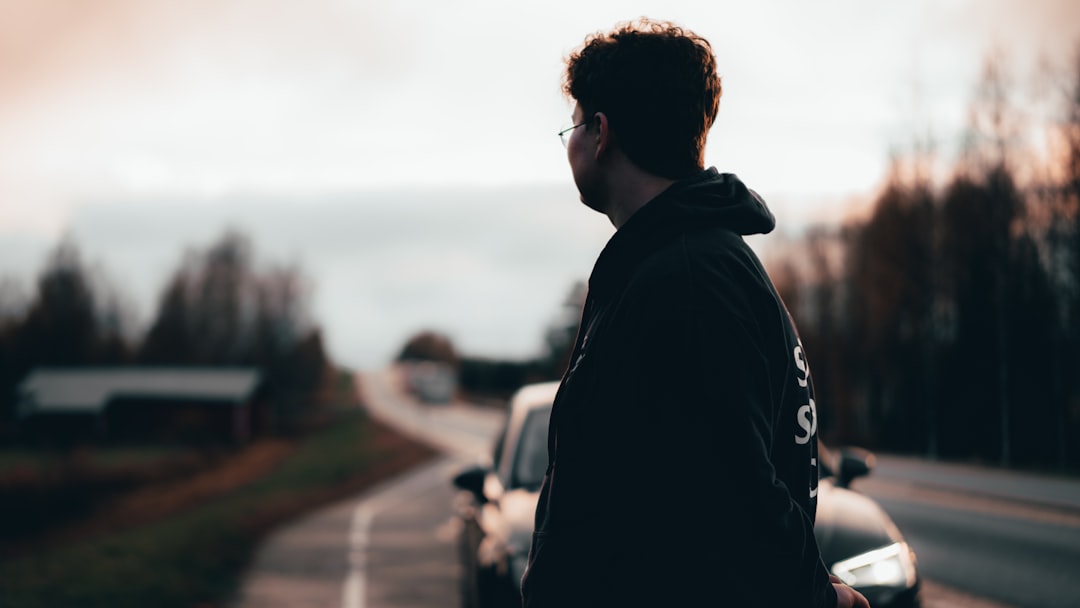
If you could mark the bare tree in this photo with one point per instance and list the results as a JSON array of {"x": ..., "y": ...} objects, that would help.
[
  {"x": 67, "y": 322},
  {"x": 429, "y": 345},
  {"x": 219, "y": 309}
]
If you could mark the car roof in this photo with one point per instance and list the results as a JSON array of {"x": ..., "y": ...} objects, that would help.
[
  {"x": 528, "y": 398},
  {"x": 532, "y": 396}
]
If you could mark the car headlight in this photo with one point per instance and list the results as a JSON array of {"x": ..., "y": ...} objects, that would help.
[{"x": 891, "y": 566}]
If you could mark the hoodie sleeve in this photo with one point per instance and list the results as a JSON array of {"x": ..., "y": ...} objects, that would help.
[{"x": 744, "y": 383}]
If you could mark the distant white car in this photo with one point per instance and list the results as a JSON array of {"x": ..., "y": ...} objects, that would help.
[{"x": 431, "y": 381}]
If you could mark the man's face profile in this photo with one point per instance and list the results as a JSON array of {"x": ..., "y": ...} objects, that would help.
[{"x": 582, "y": 159}]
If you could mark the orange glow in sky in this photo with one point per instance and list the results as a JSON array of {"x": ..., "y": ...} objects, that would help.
[{"x": 211, "y": 101}]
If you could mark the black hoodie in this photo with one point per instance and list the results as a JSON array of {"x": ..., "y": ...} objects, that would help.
[{"x": 683, "y": 448}]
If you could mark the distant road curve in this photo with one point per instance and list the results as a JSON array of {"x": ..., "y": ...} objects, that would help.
[{"x": 457, "y": 428}]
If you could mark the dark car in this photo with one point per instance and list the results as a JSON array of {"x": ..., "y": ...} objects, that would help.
[{"x": 858, "y": 540}]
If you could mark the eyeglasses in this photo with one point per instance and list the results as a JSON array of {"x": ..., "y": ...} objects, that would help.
[{"x": 564, "y": 135}]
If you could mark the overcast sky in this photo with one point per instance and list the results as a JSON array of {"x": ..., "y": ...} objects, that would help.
[{"x": 349, "y": 136}]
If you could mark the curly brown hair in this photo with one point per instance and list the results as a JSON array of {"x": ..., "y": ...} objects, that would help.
[{"x": 658, "y": 86}]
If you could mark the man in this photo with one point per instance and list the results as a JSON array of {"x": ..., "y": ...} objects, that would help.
[{"x": 683, "y": 447}]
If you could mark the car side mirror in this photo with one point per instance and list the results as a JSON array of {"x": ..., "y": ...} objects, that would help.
[
  {"x": 472, "y": 480},
  {"x": 854, "y": 463}
]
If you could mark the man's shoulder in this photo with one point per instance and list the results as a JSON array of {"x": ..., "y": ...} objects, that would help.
[
  {"x": 699, "y": 264},
  {"x": 698, "y": 245},
  {"x": 714, "y": 241},
  {"x": 714, "y": 254}
]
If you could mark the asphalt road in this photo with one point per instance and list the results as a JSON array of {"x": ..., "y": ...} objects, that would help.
[
  {"x": 984, "y": 539},
  {"x": 1008, "y": 537},
  {"x": 390, "y": 547}
]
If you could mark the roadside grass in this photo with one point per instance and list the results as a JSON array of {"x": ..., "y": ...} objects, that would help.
[
  {"x": 195, "y": 558},
  {"x": 15, "y": 461}
]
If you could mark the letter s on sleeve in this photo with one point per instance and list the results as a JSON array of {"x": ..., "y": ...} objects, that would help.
[
  {"x": 800, "y": 362},
  {"x": 806, "y": 418}
]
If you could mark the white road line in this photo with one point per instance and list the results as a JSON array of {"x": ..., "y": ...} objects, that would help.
[
  {"x": 355, "y": 592},
  {"x": 397, "y": 492},
  {"x": 467, "y": 441}
]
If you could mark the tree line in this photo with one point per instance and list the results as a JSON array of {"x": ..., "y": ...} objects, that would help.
[
  {"x": 947, "y": 321},
  {"x": 217, "y": 309},
  {"x": 491, "y": 379}
]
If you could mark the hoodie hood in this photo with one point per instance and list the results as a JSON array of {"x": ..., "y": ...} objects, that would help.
[{"x": 706, "y": 200}]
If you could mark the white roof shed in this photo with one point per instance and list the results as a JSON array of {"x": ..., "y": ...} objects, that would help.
[{"x": 89, "y": 390}]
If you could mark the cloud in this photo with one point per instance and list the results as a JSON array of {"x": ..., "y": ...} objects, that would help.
[
  {"x": 144, "y": 98},
  {"x": 487, "y": 265},
  {"x": 45, "y": 42},
  {"x": 209, "y": 112}
]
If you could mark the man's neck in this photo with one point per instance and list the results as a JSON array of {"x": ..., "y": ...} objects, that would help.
[{"x": 630, "y": 191}]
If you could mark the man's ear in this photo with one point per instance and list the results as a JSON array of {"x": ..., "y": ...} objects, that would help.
[{"x": 604, "y": 138}]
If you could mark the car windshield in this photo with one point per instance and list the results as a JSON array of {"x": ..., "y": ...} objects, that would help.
[{"x": 532, "y": 453}]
